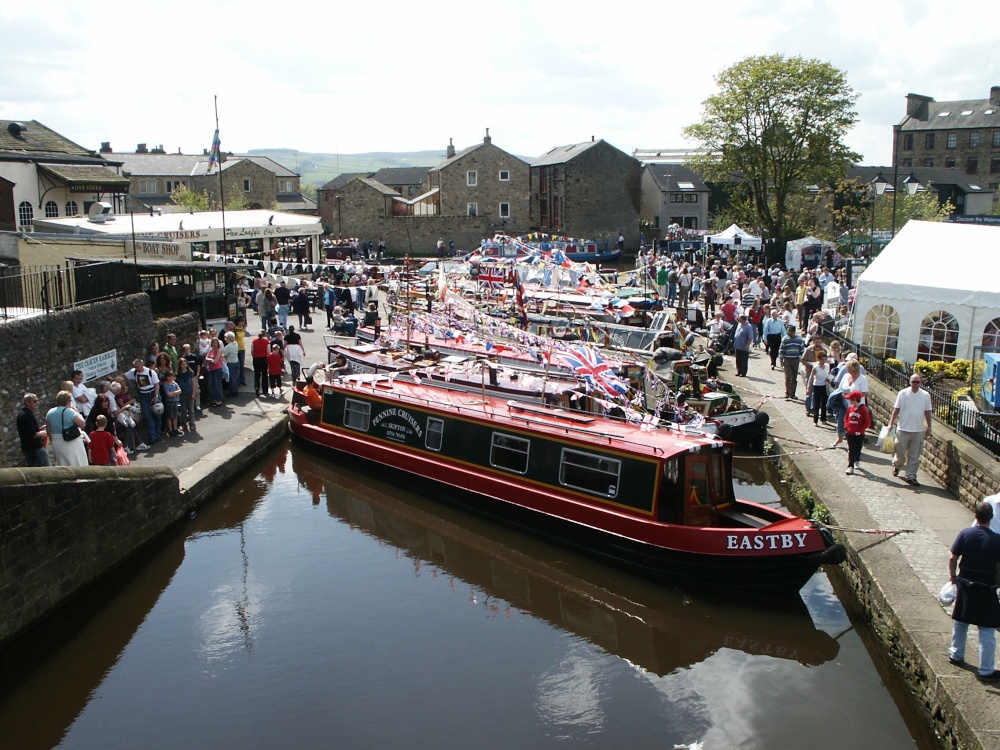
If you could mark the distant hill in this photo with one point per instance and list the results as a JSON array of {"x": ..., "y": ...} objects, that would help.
[{"x": 317, "y": 169}]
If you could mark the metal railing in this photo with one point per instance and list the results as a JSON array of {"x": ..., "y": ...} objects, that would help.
[
  {"x": 983, "y": 428},
  {"x": 26, "y": 291}
]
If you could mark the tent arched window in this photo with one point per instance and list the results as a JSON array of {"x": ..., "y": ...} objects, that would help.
[
  {"x": 938, "y": 337},
  {"x": 51, "y": 210},
  {"x": 881, "y": 331},
  {"x": 71, "y": 209},
  {"x": 25, "y": 214},
  {"x": 991, "y": 335}
]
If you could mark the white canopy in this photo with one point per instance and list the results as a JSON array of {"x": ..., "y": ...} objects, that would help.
[
  {"x": 809, "y": 249},
  {"x": 930, "y": 267},
  {"x": 728, "y": 237}
]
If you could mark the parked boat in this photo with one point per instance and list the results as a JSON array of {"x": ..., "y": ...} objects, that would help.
[{"x": 659, "y": 502}]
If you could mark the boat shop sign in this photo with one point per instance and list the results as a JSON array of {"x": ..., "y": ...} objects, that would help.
[{"x": 160, "y": 250}]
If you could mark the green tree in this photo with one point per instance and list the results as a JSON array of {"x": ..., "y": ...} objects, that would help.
[
  {"x": 778, "y": 124},
  {"x": 237, "y": 202},
  {"x": 182, "y": 195}
]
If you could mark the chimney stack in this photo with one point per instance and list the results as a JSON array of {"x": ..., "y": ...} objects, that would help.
[
  {"x": 141, "y": 148},
  {"x": 916, "y": 106},
  {"x": 487, "y": 140},
  {"x": 106, "y": 147},
  {"x": 451, "y": 149},
  {"x": 995, "y": 95}
]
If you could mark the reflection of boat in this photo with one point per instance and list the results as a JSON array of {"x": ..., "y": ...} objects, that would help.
[
  {"x": 659, "y": 502},
  {"x": 659, "y": 630}
]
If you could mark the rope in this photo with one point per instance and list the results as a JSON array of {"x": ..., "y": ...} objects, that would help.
[{"x": 886, "y": 533}]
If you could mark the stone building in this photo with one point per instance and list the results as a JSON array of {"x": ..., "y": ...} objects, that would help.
[
  {"x": 472, "y": 194},
  {"x": 673, "y": 194},
  {"x": 961, "y": 135},
  {"x": 48, "y": 176},
  {"x": 261, "y": 182},
  {"x": 588, "y": 190},
  {"x": 406, "y": 181}
]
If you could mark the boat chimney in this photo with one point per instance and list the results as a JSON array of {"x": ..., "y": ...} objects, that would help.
[
  {"x": 451, "y": 149},
  {"x": 493, "y": 373}
]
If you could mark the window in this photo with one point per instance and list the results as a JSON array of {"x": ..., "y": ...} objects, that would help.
[
  {"x": 286, "y": 186},
  {"x": 543, "y": 212},
  {"x": 147, "y": 187},
  {"x": 504, "y": 175},
  {"x": 51, "y": 210},
  {"x": 938, "y": 340},
  {"x": 556, "y": 216},
  {"x": 71, "y": 208},
  {"x": 996, "y": 139},
  {"x": 907, "y": 162},
  {"x": 172, "y": 185},
  {"x": 949, "y": 162},
  {"x": 510, "y": 453},
  {"x": 25, "y": 214},
  {"x": 952, "y": 140},
  {"x": 357, "y": 414},
  {"x": 907, "y": 141},
  {"x": 435, "y": 433},
  {"x": 881, "y": 330},
  {"x": 972, "y": 165},
  {"x": 991, "y": 336},
  {"x": 691, "y": 198},
  {"x": 974, "y": 139},
  {"x": 676, "y": 198},
  {"x": 247, "y": 185},
  {"x": 504, "y": 210},
  {"x": 929, "y": 161},
  {"x": 590, "y": 473},
  {"x": 409, "y": 190},
  {"x": 472, "y": 209},
  {"x": 995, "y": 165},
  {"x": 928, "y": 140},
  {"x": 472, "y": 178}
]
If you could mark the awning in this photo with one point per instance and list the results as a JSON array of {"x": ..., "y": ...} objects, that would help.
[{"x": 86, "y": 178}]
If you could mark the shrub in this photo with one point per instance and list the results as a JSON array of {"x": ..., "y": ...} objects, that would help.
[
  {"x": 959, "y": 369},
  {"x": 896, "y": 364}
]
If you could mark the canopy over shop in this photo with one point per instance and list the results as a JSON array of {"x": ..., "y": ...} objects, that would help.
[
  {"x": 929, "y": 295},
  {"x": 259, "y": 234}
]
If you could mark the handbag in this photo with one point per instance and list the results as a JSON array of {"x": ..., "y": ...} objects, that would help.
[
  {"x": 69, "y": 433},
  {"x": 308, "y": 320},
  {"x": 885, "y": 440}
]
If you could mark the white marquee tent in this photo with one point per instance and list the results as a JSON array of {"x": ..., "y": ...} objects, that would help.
[
  {"x": 728, "y": 237},
  {"x": 933, "y": 290}
]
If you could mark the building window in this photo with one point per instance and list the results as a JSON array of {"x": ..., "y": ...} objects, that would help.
[
  {"x": 974, "y": 139},
  {"x": 908, "y": 162},
  {"x": 510, "y": 453},
  {"x": 676, "y": 198},
  {"x": 25, "y": 214},
  {"x": 51, "y": 210},
  {"x": 949, "y": 162},
  {"x": 996, "y": 139},
  {"x": 435, "y": 433},
  {"x": 286, "y": 186},
  {"x": 504, "y": 175},
  {"x": 247, "y": 185},
  {"x": 543, "y": 213},
  {"x": 938, "y": 337},
  {"x": 995, "y": 165},
  {"x": 952, "y": 140},
  {"x": 471, "y": 178},
  {"x": 928, "y": 140},
  {"x": 590, "y": 473},
  {"x": 929, "y": 161},
  {"x": 556, "y": 218},
  {"x": 409, "y": 190},
  {"x": 504, "y": 210},
  {"x": 472, "y": 209},
  {"x": 172, "y": 185},
  {"x": 690, "y": 198},
  {"x": 972, "y": 165},
  {"x": 881, "y": 331},
  {"x": 71, "y": 208},
  {"x": 907, "y": 141},
  {"x": 147, "y": 187}
]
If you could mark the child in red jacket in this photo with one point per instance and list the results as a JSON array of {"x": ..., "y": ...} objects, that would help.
[
  {"x": 856, "y": 421},
  {"x": 275, "y": 364}
]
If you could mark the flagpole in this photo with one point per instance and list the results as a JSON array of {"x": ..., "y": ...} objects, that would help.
[{"x": 222, "y": 195}]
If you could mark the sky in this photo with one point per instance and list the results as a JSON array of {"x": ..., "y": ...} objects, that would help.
[{"x": 353, "y": 77}]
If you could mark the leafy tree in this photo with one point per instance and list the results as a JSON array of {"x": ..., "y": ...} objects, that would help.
[
  {"x": 778, "y": 123},
  {"x": 237, "y": 202},
  {"x": 853, "y": 209},
  {"x": 182, "y": 195}
]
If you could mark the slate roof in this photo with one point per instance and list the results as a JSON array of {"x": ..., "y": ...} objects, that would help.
[
  {"x": 87, "y": 174},
  {"x": 965, "y": 114},
  {"x": 563, "y": 154},
  {"x": 338, "y": 182},
  {"x": 401, "y": 175},
  {"x": 668, "y": 177},
  {"x": 185, "y": 165},
  {"x": 295, "y": 203},
  {"x": 452, "y": 159},
  {"x": 926, "y": 176},
  {"x": 37, "y": 142},
  {"x": 376, "y": 185}
]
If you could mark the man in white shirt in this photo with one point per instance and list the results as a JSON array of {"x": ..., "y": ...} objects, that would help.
[{"x": 912, "y": 411}]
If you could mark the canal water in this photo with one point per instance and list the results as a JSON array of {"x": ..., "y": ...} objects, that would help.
[{"x": 312, "y": 606}]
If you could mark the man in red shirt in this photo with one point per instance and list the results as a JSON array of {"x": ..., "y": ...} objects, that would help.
[
  {"x": 260, "y": 347},
  {"x": 728, "y": 310}
]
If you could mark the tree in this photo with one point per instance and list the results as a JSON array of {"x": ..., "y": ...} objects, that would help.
[
  {"x": 182, "y": 195},
  {"x": 775, "y": 127}
]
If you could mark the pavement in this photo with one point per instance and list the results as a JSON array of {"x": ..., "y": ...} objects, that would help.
[{"x": 904, "y": 571}]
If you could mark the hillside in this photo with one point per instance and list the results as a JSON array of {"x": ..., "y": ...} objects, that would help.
[{"x": 317, "y": 169}]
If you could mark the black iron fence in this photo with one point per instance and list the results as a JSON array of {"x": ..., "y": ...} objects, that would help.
[
  {"x": 39, "y": 290},
  {"x": 963, "y": 416}
]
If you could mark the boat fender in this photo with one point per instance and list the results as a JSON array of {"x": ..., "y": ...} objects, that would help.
[{"x": 762, "y": 419}]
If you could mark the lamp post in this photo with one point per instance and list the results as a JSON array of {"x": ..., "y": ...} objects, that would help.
[{"x": 877, "y": 186}]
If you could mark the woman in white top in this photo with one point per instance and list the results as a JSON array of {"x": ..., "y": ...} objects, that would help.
[
  {"x": 59, "y": 417},
  {"x": 817, "y": 387}
]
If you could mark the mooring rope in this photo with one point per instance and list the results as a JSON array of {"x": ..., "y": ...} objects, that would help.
[{"x": 884, "y": 532}]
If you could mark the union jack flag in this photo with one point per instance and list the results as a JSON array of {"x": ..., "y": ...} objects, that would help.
[
  {"x": 522, "y": 312},
  {"x": 594, "y": 370},
  {"x": 491, "y": 278}
]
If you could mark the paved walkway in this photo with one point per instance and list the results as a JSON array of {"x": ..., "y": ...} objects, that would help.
[{"x": 907, "y": 569}]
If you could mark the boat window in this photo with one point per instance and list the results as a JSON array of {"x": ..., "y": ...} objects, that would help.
[
  {"x": 357, "y": 414},
  {"x": 510, "y": 453},
  {"x": 670, "y": 472},
  {"x": 700, "y": 494},
  {"x": 435, "y": 433},
  {"x": 715, "y": 467},
  {"x": 589, "y": 472}
]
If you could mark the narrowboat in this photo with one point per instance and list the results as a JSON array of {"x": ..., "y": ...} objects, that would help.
[{"x": 659, "y": 502}]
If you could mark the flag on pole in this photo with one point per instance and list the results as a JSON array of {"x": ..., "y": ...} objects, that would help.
[
  {"x": 594, "y": 370},
  {"x": 215, "y": 152},
  {"x": 522, "y": 312},
  {"x": 490, "y": 278}
]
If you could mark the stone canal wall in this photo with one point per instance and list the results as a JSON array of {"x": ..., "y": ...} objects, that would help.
[{"x": 62, "y": 528}]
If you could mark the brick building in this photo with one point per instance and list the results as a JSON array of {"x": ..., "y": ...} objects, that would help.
[
  {"x": 961, "y": 135},
  {"x": 589, "y": 190}
]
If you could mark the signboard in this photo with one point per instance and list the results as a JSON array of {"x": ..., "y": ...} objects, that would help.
[
  {"x": 159, "y": 250},
  {"x": 286, "y": 230},
  {"x": 98, "y": 365},
  {"x": 976, "y": 219}
]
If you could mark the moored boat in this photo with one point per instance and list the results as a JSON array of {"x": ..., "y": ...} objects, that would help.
[{"x": 659, "y": 502}]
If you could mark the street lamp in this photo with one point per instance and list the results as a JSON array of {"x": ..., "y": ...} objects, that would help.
[{"x": 877, "y": 186}]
